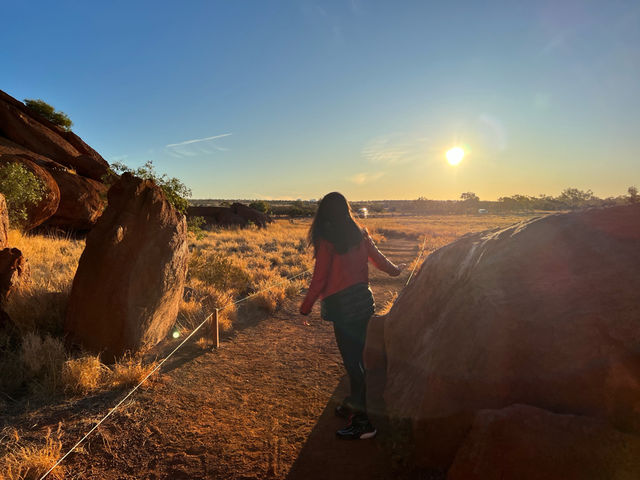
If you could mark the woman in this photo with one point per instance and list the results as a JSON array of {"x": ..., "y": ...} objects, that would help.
[{"x": 341, "y": 280}]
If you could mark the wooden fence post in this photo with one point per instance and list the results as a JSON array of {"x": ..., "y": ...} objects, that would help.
[{"x": 217, "y": 329}]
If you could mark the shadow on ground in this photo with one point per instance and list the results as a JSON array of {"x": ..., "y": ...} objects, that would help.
[{"x": 384, "y": 457}]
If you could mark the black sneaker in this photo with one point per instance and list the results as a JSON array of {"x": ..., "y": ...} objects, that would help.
[{"x": 357, "y": 429}]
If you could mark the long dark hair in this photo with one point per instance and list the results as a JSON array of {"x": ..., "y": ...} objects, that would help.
[{"x": 334, "y": 222}]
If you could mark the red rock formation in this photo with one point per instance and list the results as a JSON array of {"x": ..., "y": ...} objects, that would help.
[
  {"x": 526, "y": 443},
  {"x": 82, "y": 201},
  {"x": 14, "y": 270},
  {"x": 48, "y": 205},
  {"x": 25, "y": 127},
  {"x": 236, "y": 215},
  {"x": 4, "y": 223},
  {"x": 130, "y": 278},
  {"x": 218, "y": 216},
  {"x": 251, "y": 215},
  {"x": 543, "y": 313}
]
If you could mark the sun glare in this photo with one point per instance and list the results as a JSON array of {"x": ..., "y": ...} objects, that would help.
[{"x": 455, "y": 155}]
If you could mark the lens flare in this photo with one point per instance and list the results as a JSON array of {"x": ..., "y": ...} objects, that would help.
[
  {"x": 176, "y": 333},
  {"x": 455, "y": 155}
]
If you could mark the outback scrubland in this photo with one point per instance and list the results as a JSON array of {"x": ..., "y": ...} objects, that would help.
[{"x": 225, "y": 265}]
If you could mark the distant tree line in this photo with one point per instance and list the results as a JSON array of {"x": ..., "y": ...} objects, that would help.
[
  {"x": 469, "y": 203},
  {"x": 569, "y": 199}
]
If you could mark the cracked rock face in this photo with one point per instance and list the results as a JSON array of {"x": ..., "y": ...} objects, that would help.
[{"x": 130, "y": 278}]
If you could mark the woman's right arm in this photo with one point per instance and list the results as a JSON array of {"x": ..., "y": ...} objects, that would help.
[
  {"x": 320, "y": 277},
  {"x": 378, "y": 259}
]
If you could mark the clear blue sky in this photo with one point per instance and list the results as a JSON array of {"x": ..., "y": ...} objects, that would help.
[{"x": 364, "y": 97}]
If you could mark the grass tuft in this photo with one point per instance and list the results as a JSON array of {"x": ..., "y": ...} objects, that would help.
[
  {"x": 83, "y": 375},
  {"x": 128, "y": 372},
  {"x": 30, "y": 462}
]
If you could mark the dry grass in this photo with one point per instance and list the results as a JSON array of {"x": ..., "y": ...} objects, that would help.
[
  {"x": 53, "y": 260},
  {"x": 388, "y": 303},
  {"x": 227, "y": 265},
  {"x": 440, "y": 230},
  {"x": 128, "y": 372},
  {"x": 41, "y": 361},
  {"x": 29, "y": 462},
  {"x": 83, "y": 375}
]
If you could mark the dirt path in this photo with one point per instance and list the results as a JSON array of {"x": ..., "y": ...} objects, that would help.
[{"x": 259, "y": 407}]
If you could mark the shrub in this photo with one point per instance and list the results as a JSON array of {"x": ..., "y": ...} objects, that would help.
[
  {"x": 29, "y": 462},
  {"x": 129, "y": 371},
  {"x": 194, "y": 226},
  {"x": 49, "y": 112},
  {"x": 176, "y": 191},
  {"x": 43, "y": 360},
  {"x": 261, "y": 206},
  {"x": 22, "y": 190},
  {"x": 83, "y": 375},
  {"x": 270, "y": 298},
  {"x": 218, "y": 271}
]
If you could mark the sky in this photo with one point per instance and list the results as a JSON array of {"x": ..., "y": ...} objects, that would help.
[{"x": 274, "y": 99}]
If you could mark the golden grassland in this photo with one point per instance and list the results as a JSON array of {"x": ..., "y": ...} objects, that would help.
[{"x": 225, "y": 265}]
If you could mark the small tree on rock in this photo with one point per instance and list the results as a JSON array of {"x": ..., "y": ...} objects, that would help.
[
  {"x": 49, "y": 112},
  {"x": 177, "y": 192}
]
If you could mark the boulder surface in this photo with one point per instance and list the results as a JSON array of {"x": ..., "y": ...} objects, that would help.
[
  {"x": 527, "y": 443},
  {"x": 543, "y": 313},
  {"x": 82, "y": 201},
  {"x": 131, "y": 275},
  {"x": 14, "y": 270}
]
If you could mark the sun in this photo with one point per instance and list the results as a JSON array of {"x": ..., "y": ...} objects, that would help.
[{"x": 455, "y": 155}]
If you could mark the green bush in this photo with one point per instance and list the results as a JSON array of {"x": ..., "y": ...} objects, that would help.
[
  {"x": 261, "y": 206},
  {"x": 194, "y": 225},
  {"x": 22, "y": 189},
  {"x": 176, "y": 191},
  {"x": 50, "y": 113}
]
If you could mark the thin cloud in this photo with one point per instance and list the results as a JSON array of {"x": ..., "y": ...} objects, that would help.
[
  {"x": 396, "y": 149},
  {"x": 366, "y": 177},
  {"x": 196, "y": 140}
]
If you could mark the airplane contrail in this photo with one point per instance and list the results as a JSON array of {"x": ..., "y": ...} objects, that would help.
[{"x": 195, "y": 140}]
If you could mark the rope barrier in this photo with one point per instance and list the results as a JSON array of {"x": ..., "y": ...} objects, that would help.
[
  {"x": 79, "y": 442},
  {"x": 132, "y": 391}
]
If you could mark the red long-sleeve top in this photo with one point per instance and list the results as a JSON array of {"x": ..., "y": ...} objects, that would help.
[{"x": 334, "y": 272}]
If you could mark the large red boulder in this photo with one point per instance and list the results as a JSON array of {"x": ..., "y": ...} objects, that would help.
[
  {"x": 543, "y": 313},
  {"x": 4, "y": 222},
  {"x": 527, "y": 443},
  {"x": 127, "y": 289},
  {"x": 14, "y": 270},
  {"x": 82, "y": 201},
  {"x": 25, "y": 127},
  {"x": 48, "y": 205}
]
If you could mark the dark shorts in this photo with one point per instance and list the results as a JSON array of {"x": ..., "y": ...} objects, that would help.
[{"x": 353, "y": 304}]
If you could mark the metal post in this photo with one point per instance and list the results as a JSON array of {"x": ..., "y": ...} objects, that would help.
[{"x": 217, "y": 329}]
